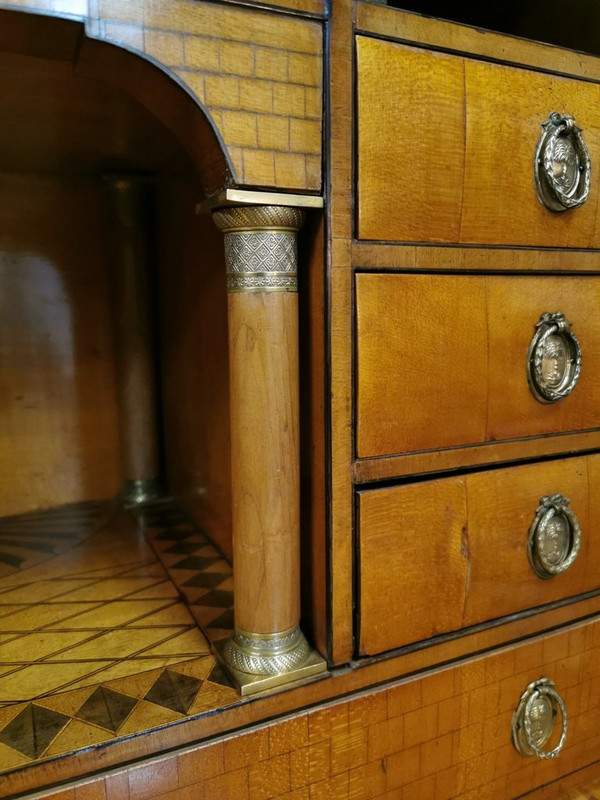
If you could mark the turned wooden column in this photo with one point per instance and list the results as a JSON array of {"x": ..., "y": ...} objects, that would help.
[
  {"x": 128, "y": 198},
  {"x": 267, "y": 646}
]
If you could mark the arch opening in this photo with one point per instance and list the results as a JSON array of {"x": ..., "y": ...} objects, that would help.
[{"x": 77, "y": 109}]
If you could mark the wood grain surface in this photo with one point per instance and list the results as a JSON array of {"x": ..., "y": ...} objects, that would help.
[
  {"x": 371, "y": 674},
  {"x": 393, "y": 23},
  {"x": 397, "y": 256},
  {"x": 454, "y": 550},
  {"x": 339, "y": 334},
  {"x": 504, "y": 111},
  {"x": 411, "y": 146},
  {"x": 446, "y": 145},
  {"x": 443, "y": 734},
  {"x": 59, "y": 421},
  {"x": 431, "y": 348},
  {"x": 263, "y": 361},
  {"x": 411, "y": 557},
  {"x": 426, "y": 461}
]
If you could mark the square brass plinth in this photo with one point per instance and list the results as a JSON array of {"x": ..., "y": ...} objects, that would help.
[
  {"x": 248, "y": 684},
  {"x": 236, "y": 197}
]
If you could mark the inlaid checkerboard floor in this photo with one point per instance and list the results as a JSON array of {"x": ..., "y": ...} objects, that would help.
[{"x": 106, "y": 626}]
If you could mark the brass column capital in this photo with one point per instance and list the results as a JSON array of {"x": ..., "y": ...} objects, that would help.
[{"x": 261, "y": 253}]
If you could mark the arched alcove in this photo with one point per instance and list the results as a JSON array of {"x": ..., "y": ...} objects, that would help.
[
  {"x": 73, "y": 109},
  {"x": 95, "y": 64},
  {"x": 113, "y": 618}
]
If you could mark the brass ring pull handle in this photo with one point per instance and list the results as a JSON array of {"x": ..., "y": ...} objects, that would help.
[
  {"x": 562, "y": 165},
  {"x": 533, "y": 721},
  {"x": 554, "y": 537},
  {"x": 553, "y": 359}
]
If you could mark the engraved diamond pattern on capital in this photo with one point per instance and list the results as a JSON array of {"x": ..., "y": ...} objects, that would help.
[{"x": 262, "y": 259}]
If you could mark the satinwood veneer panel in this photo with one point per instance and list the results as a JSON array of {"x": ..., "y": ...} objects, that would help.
[
  {"x": 446, "y": 146},
  {"x": 411, "y": 143},
  {"x": 442, "y": 359},
  {"x": 59, "y": 428},
  {"x": 442, "y": 735},
  {"x": 454, "y": 551},
  {"x": 504, "y": 111}
]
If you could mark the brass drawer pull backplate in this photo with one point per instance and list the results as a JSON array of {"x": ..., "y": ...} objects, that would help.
[
  {"x": 554, "y": 537},
  {"x": 553, "y": 359},
  {"x": 533, "y": 721},
  {"x": 562, "y": 164}
]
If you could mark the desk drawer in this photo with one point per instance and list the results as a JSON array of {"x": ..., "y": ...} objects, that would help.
[
  {"x": 448, "y": 734},
  {"x": 442, "y": 360},
  {"x": 446, "y": 147},
  {"x": 441, "y": 555}
]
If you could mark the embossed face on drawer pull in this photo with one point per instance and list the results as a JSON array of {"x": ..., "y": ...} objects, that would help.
[
  {"x": 534, "y": 719},
  {"x": 553, "y": 358},
  {"x": 554, "y": 537},
  {"x": 562, "y": 164}
]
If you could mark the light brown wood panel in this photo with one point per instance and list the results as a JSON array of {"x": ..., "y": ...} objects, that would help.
[
  {"x": 502, "y": 507},
  {"x": 481, "y": 259},
  {"x": 454, "y": 551},
  {"x": 514, "y": 306},
  {"x": 505, "y": 108},
  {"x": 432, "y": 347},
  {"x": 367, "y": 674},
  {"x": 313, "y": 7},
  {"x": 376, "y": 469},
  {"x": 410, "y": 143},
  {"x": 58, "y": 417},
  {"x": 436, "y": 736},
  {"x": 584, "y": 784},
  {"x": 339, "y": 339},
  {"x": 422, "y": 360},
  {"x": 265, "y": 474},
  {"x": 396, "y": 24},
  {"x": 446, "y": 144},
  {"x": 413, "y": 563}
]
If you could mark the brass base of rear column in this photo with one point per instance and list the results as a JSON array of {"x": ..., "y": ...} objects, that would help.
[
  {"x": 137, "y": 493},
  {"x": 259, "y": 662}
]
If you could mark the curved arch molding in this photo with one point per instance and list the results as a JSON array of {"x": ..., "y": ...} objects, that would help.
[{"x": 257, "y": 76}]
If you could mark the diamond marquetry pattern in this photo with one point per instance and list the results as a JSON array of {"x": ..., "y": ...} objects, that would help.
[
  {"x": 29, "y": 539},
  {"x": 98, "y": 641},
  {"x": 33, "y": 730},
  {"x": 175, "y": 691},
  {"x": 107, "y": 708},
  {"x": 209, "y": 580},
  {"x": 202, "y": 575}
]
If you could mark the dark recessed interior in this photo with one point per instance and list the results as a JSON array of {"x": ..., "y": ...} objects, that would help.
[{"x": 574, "y": 25}]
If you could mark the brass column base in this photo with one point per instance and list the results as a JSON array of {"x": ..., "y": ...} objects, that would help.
[
  {"x": 137, "y": 493},
  {"x": 258, "y": 662}
]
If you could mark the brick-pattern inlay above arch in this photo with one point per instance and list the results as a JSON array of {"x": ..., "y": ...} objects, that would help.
[{"x": 258, "y": 73}]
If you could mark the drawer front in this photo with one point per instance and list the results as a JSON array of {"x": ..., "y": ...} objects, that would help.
[
  {"x": 446, "y": 148},
  {"x": 455, "y": 551},
  {"x": 448, "y": 734},
  {"x": 442, "y": 360}
]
